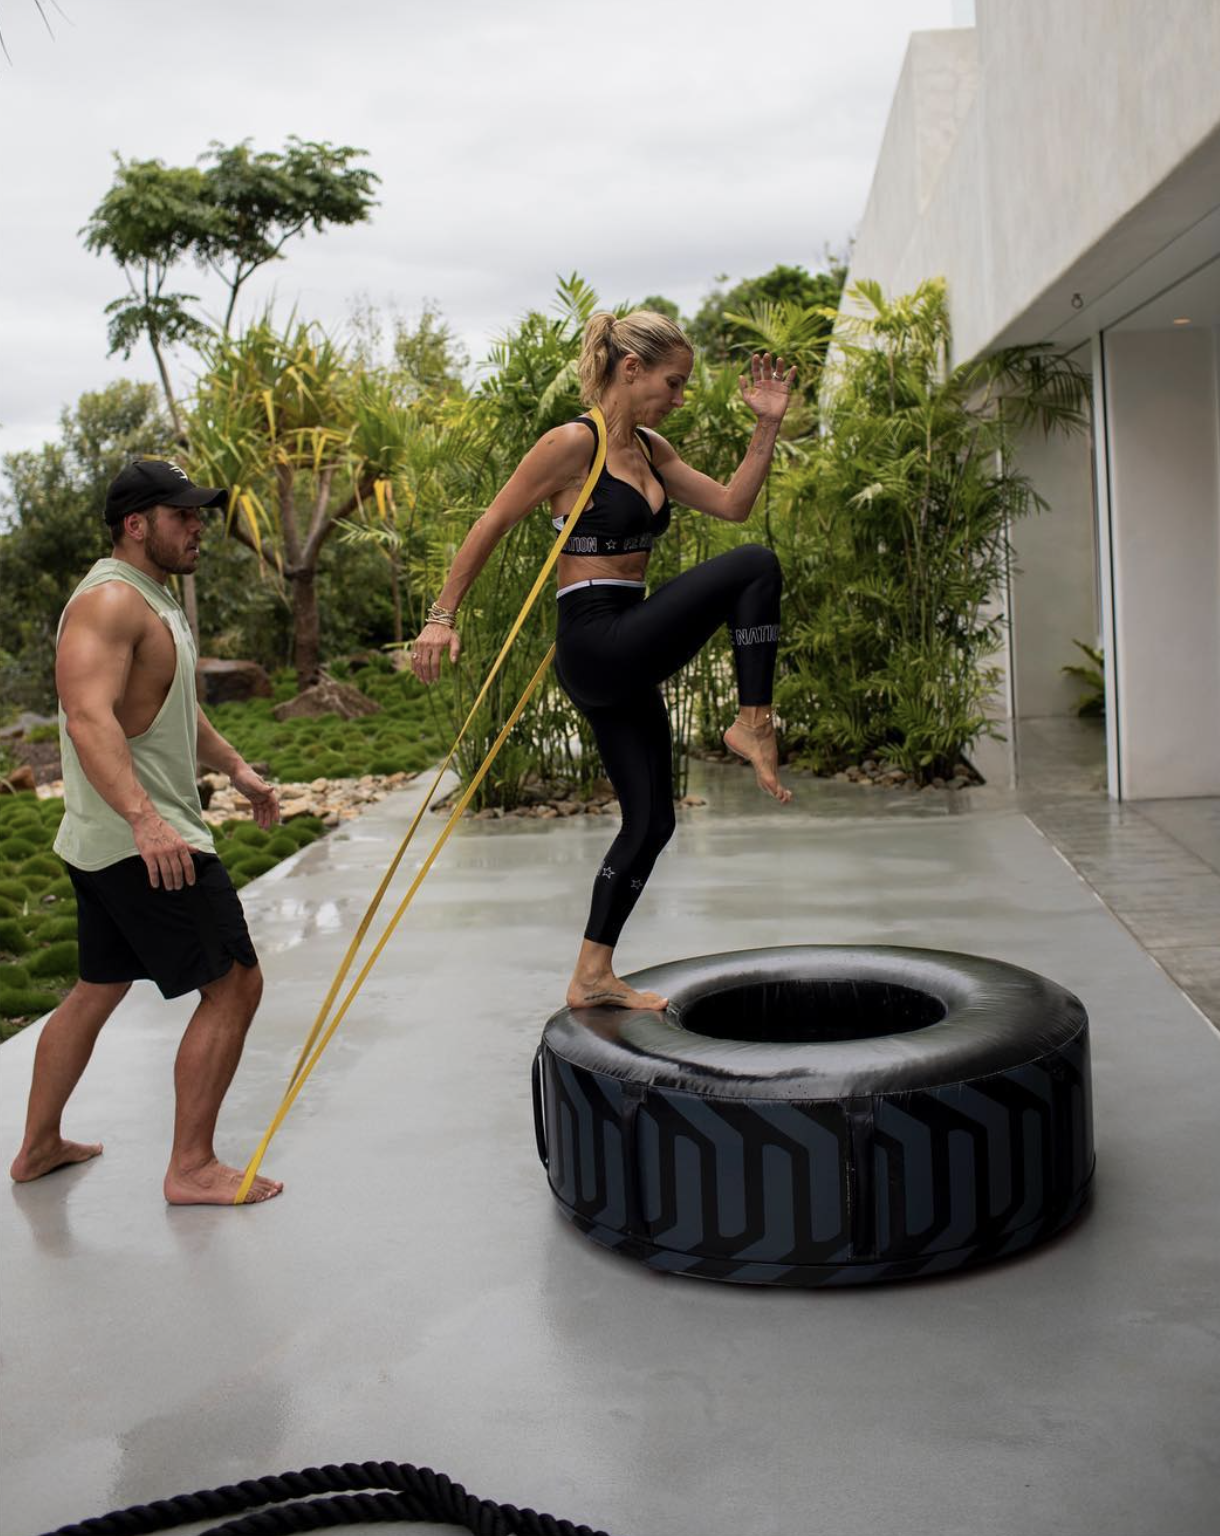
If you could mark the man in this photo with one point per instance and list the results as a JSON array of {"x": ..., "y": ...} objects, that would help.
[{"x": 153, "y": 899}]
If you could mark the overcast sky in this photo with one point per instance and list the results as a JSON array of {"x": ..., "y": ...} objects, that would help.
[{"x": 651, "y": 145}]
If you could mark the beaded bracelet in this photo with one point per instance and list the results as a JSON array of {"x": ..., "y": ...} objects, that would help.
[{"x": 439, "y": 615}]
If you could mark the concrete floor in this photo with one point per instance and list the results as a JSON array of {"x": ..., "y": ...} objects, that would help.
[
  {"x": 1155, "y": 863},
  {"x": 416, "y": 1296}
]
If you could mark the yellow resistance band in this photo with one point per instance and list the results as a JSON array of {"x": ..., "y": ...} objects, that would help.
[{"x": 306, "y": 1062}]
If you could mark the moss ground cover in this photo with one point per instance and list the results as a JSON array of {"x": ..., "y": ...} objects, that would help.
[
  {"x": 38, "y": 958},
  {"x": 408, "y": 735}
]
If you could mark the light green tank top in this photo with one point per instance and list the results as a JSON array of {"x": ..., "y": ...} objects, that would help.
[{"x": 92, "y": 835}]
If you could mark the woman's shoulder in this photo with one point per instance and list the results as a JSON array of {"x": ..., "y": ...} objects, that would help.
[{"x": 572, "y": 439}]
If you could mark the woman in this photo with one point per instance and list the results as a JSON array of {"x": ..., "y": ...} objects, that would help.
[{"x": 614, "y": 645}]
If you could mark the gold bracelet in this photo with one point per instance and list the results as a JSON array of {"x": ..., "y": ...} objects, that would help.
[{"x": 439, "y": 615}]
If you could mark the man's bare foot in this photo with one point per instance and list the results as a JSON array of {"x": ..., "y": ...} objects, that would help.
[
  {"x": 757, "y": 744},
  {"x": 607, "y": 991},
  {"x": 215, "y": 1183},
  {"x": 33, "y": 1162}
]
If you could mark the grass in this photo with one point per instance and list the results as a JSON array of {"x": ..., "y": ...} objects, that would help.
[
  {"x": 38, "y": 955},
  {"x": 407, "y": 736}
]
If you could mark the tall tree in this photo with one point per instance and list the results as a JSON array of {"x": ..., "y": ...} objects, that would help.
[
  {"x": 233, "y": 214},
  {"x": 721, "y": 333}
]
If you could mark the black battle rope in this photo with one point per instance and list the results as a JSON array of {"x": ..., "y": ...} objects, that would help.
[{"x": 410, "y": 1494}]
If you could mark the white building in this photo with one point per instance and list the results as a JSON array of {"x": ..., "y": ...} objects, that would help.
[{"x": 1058, "y": 162}]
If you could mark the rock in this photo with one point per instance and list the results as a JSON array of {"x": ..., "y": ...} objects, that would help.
[
  {"x": 230, "y": 682},
  {"x": 692, "y": 800},
  {"x": 486, "y": 814},
  {"x": 327, "y": 698},
  {"x": 568, "y": 807},
  {"x": 290, "y": 809},
  {"x": 957, "y": 782},
  {"x": 547, "y": 812},
  {"x": 26, "y": 721},
  {"x": 20, "y": 778},
  {"x": 331, "y": 819},
  {"x": 843, "y": 778},
  {"x": 938, "y": 782},
  {"x": 869, "y": 765}
]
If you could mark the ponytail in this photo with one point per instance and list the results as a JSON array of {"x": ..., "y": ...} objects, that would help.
[{"x": 647, "y": 335}]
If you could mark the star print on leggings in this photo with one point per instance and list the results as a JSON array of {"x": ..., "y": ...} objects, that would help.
[
  {"x": 637, "y": 885},
  {"x": 606, "y": 872}
]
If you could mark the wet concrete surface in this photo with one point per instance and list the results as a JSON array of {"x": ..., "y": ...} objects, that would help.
[{"x": 416, "y": 1296}]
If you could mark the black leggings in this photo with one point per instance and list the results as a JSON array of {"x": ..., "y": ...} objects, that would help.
[{"x": 614, "y": 648}]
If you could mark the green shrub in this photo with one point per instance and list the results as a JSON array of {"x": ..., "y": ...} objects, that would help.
[
  {"x": 282, "y": 845},
  {"x": 59, "y": 959},
  {"x": 254, "y": 865},
  {"x": 8, "y": 907},
  {"x": 57, "y": 927},
  {"x": 61, "y": 889},
  {"x": 13, "y": 976},
  {"x": 14, "y": 849},
  {"x": 26, "y": 1003},
  {"x": 43, "y": 864},
  {"x": 12, "y": 937},
  {"x": 247, "y": 832}
]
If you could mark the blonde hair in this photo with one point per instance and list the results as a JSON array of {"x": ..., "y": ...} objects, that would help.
[{"x": 646, "y": 334}]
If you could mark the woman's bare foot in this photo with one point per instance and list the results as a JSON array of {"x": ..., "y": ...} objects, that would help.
[
  {"x": 605, "y": 990},
  {"x": 755, "y": 741},
  {"x": 215, "y": 1184},
  {"x": 33, "y": 1162}
]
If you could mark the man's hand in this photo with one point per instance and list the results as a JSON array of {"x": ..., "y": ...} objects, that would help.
[
  {"x": 166, "y": 856},
  {"x": 261, "y": 795}
]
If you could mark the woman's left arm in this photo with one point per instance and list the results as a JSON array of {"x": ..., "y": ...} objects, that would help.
[{"x": 766, "y": 391}]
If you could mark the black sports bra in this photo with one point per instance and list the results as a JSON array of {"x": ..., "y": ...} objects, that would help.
[{"x": 618, "y": 519}]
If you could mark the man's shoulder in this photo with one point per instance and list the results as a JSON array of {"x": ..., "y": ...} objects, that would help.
[{"x": 113, "y": 608}]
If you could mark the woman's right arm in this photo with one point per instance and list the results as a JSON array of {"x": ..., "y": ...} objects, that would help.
[{"x": 557, "y": 461}]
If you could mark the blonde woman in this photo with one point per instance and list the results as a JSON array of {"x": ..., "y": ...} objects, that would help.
[{"x": 615, "y": 645}]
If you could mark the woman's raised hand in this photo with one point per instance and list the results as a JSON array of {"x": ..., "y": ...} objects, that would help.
[
  {"x": 434, "y": 640},
  {"x": 767, "y": 388}
]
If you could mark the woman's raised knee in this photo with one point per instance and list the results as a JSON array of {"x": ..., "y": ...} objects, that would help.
[{"x": 760, "y": 562}]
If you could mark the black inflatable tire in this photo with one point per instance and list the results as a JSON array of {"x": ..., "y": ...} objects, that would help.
[{"x": 821, "y": 1115}]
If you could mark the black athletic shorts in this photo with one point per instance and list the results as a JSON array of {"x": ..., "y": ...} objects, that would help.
[{"x": 180, "y": 939}]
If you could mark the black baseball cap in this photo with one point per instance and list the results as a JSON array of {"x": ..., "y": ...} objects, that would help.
[{"x": 157, "y": 483}]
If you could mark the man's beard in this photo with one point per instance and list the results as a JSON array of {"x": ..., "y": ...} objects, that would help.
[{"x": 162, "y": 553}]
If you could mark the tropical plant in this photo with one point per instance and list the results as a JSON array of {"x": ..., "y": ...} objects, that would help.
[
  {"x": 894, "y": 534},
  {"x": 1093, "y": 701},
  {"x": 723, "y": 330},
  {"x": 305, "y": 440}
]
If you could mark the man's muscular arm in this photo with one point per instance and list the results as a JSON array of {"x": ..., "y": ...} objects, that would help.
[
  {"x": 213, "y": 751},
  {"x": 92, "y": 667}
]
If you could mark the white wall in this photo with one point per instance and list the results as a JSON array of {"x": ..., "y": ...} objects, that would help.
[
  {"x": 1014, "y": 149},
  {"x": 1054, "y": 576},
  {"x": 1162, "y": 464}
]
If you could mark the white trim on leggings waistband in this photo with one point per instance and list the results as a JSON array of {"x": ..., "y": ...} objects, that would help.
[{"x": 599, "y": 581}]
